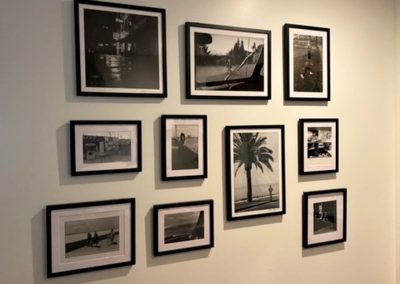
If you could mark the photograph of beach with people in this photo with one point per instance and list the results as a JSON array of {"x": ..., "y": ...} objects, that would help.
[{"x": 91, "y": 236}]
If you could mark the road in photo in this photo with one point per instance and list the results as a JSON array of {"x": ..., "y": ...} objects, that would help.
[
  {"x": 228, "y": 62},
  {"x": 184, "y": 226},
  {"x": 319, "y": 142},
  {"x": 325, "y": 217},
  {"x": 91, "y": 236},
  {"x": 185, "y": 147},
  {"x": 256, "y": 171},
  {"x": 106, "y": 147},
  {"x": 121, "y": 50},
  {"x": 308, "y": 69}
]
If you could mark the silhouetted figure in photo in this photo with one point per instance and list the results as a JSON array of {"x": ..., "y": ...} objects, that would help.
[
  {"x": 89, "y": 239},
  {"x": 111, "y": 237},
  {"x": 96, "y": 240}
]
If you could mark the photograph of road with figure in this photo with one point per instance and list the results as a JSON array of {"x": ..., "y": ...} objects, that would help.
[
  {"x": 185, "y": 146},
  {"x": 308, "y": 69}
]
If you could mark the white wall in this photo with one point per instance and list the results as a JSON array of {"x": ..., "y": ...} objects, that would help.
[{"x": 38, "y": 98}]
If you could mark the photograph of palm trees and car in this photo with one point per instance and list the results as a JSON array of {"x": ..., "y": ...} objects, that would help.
[
  {"x": 228, "y": 62},
  {"x": 91, "y": 236},
  {"x": 256, "y": 172},
  {"x": 120, "y": 49}
]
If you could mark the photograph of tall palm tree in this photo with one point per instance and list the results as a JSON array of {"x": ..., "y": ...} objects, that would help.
[{"x": 255, "y": 171}]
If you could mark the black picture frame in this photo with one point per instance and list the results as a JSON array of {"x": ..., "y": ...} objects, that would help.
[
  {"x": 260, "y": 190},
  {"x": 120, "y": 50},
  {"x": 183, "y": 155},
  {"x": 91, "y": 234},
  {"x": 183, "y": 226},
  {"x": 324, "y": 217},
  {"x": 243, "y": 72},
  {"x": 318, "y": 145},
  {"x": 105, "y": 146},
  {"x": 306, "y": 55}
]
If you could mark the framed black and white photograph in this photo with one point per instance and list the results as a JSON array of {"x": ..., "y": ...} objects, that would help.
[
  {"x": 255, "y": 171},
  {"x": 318, "y": 146},
  {"x": 183, "y": 147},
  {"x": 227, "y": 62},
  {"x": 182, "y": 227},
  {"x": 90, "y": 236},
  {"x": 105, "y": 146},
  {"x": 324, "y": 217},
  {"x": 306, "y": 62},
  {"x": 120, "y": 50}
]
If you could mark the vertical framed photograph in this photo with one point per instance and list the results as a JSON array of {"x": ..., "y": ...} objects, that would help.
[
  {"x": 324, "y": 217},
  {"x": 227, "y": 62},
  {"x": 182, "y": 227},
  {"x": 306, "y": 62},
  {"x": 90, "y": 236},
  {"x": 120, "y": 50},
  {"x": 183, "y": 147},
  {"x": 318, "y": 146},
  {"x": 255, "y": 171},
  {"x": 105, "y": 146}
]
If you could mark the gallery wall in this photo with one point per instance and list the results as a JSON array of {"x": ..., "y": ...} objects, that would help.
[{"x": 38, "y": 99}]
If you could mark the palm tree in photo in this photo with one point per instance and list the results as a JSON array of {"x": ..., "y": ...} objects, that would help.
[{"x": 250, "y": 149}]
